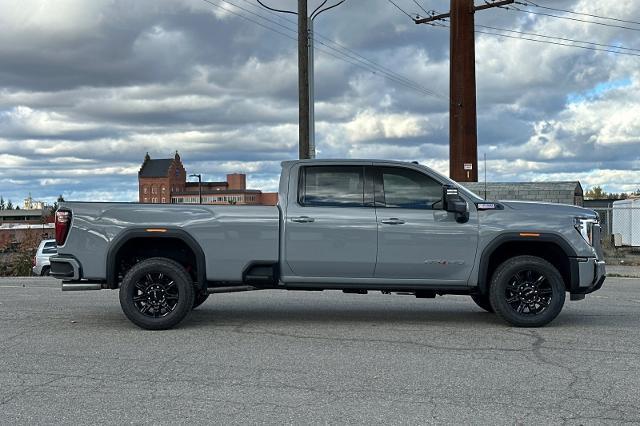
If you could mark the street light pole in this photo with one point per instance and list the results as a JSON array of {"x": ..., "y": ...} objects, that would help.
[{"x": 199, "y": 176}]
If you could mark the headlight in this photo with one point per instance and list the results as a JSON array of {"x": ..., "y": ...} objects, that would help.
[{"x": 585, "y": 227}]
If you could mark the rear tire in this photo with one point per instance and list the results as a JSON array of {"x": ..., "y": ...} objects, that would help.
[
  {"x": 482, "y": 300},
  {"x": 527, "y": 291},
  {"x": 46, "y": 271},
  {"x": 156, "y": 294}
]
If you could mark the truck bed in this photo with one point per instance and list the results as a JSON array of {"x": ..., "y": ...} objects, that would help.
[{"x": 234, "y": 236}]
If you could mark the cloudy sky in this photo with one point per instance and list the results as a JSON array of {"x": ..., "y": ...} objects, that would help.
[{"x": 87, "y": 87}]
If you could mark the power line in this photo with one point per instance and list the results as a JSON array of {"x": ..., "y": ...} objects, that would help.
[
  {"x": 247, "y": 18},
  {"x": 276, "y": 10},
  {"x": 568, "y": 18},
  {"x": 572, "y": 12},
  {"x": 350, "y": 53},
  {"x": 401, "y": 9},
  {"x": 545, "y": 41},
  {"x": 333, "y": 52},
  {"x": 559, "y": 44},
  {"x": 420, "y": 6},
  {"x": 559, "y": 38}
]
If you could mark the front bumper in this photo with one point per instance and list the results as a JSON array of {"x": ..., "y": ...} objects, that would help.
[{"x": 587, "y": 275}]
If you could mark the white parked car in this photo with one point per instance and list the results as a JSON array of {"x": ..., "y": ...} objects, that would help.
[{"x": 46, "y": 249}]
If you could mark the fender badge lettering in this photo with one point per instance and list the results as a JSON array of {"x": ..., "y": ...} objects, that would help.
[{"x": 444, "y": 262}]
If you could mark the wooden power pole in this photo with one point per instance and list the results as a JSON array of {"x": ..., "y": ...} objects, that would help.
[
  {"x": 463, "y": 129},
  {"x": 303, "y": 80}
]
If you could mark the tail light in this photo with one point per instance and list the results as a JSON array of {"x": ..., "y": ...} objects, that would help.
[
  {"x": 63, "y": 223},
  {"x": 33, "y": 261}
]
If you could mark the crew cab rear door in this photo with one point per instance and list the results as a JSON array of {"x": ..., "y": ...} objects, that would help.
[
  {"x": 330, "y": 228},
  {"x": 417, "y": 239}
]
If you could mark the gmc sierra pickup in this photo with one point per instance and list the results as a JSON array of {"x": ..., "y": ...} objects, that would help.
[{"x": 350, "y": 225}]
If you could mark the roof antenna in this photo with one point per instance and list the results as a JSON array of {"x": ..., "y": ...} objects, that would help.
[{"x": 485, "y": 175}]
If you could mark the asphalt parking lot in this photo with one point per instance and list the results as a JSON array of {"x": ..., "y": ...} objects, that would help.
[{"x": 317, "y": 357}]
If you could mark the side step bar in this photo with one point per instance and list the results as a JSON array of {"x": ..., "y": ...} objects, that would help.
[
  {"x": 231, "y": 289},
  {"x": 68, "y": 286}
]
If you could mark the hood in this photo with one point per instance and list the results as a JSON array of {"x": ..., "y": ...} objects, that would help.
[{"x": 550, "y": 208}]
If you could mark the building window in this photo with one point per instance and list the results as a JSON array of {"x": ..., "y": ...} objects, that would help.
[
  {"x": 163, "y": 188},
  {"x": 164, "y": 200},
  {"x": 145, "y": 189},
  {"x": 154, "y": 190},
  {"x": 146, "y": 199}
]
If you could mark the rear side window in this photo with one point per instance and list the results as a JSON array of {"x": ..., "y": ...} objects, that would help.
[
  {"x": 339, "y": 186},
  {"x": 410, "y": 189},
  {"x": 50, "y": 248}
]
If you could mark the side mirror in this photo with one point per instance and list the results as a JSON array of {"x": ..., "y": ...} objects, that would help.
[{"x": 454, "y": 203}]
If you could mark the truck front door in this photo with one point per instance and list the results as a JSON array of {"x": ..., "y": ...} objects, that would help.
[
  {"x": 416, "y": 238},
  {"x": 330, "y": 228}
]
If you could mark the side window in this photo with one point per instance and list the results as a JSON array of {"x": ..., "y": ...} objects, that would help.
[
  {"x": 341, "y": 186},
  {"x": 49, "y": 248},
  {"x": 409, "y": 189}
]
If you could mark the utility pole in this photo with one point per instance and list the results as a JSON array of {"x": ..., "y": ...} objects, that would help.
[
  {"x": 463, "y": 128},
  {"x": 306, "y": 81},
  {"x": 303, "y": 80}
]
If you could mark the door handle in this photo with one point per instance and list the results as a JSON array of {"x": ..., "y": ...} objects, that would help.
[
  {"x": 393, "y": 221},
  {"x": 302, "y": 219}
]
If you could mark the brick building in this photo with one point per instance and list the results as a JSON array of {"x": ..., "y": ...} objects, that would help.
[{"x": 164, "y": 181}]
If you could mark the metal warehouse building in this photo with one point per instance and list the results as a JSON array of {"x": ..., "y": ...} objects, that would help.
[{"x": 547, "y": 192}]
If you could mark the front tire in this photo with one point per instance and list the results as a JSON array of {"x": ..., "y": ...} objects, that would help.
[
  {"x": 46, "y": 271},
  {"x": 156, "y": 294},
  {"x": 527, "y": 291}
]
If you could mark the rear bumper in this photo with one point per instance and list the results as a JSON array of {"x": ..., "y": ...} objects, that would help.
[
  {"x": 587, "y": 275},
  {"x": 65, "y": 267}
]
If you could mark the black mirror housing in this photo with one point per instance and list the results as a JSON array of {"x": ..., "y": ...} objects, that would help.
[{"x": 454, "y": 203}]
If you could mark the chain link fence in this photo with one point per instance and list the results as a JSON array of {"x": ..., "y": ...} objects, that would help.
[
  {"x": 621, "y": 220},
  {"x": 620, "y": 233}
]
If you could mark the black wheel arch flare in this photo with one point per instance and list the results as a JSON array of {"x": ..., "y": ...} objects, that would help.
[
  {"x": 152, "y": 233},
  {"x": 540, "y": 237}
]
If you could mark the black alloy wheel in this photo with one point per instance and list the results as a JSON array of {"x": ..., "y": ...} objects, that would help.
[
  {"x": 527, "y": 291},
  {"x": 156, "y": 293}
]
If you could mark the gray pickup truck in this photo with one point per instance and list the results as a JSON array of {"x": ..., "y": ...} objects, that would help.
[{"x": 350, "y": 225}]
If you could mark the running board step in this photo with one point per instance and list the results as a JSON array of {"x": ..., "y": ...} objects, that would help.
[
  {"x": 81, "y": 286},
  {"x": 231, "y": 289}
]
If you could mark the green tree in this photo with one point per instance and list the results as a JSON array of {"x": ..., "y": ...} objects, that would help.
[
  {"x": 9, "y": 205},
  {"x": 60, "y": 199},
  {"x": 1, "y": 203},
  {"x": 596, "y": 193}
]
